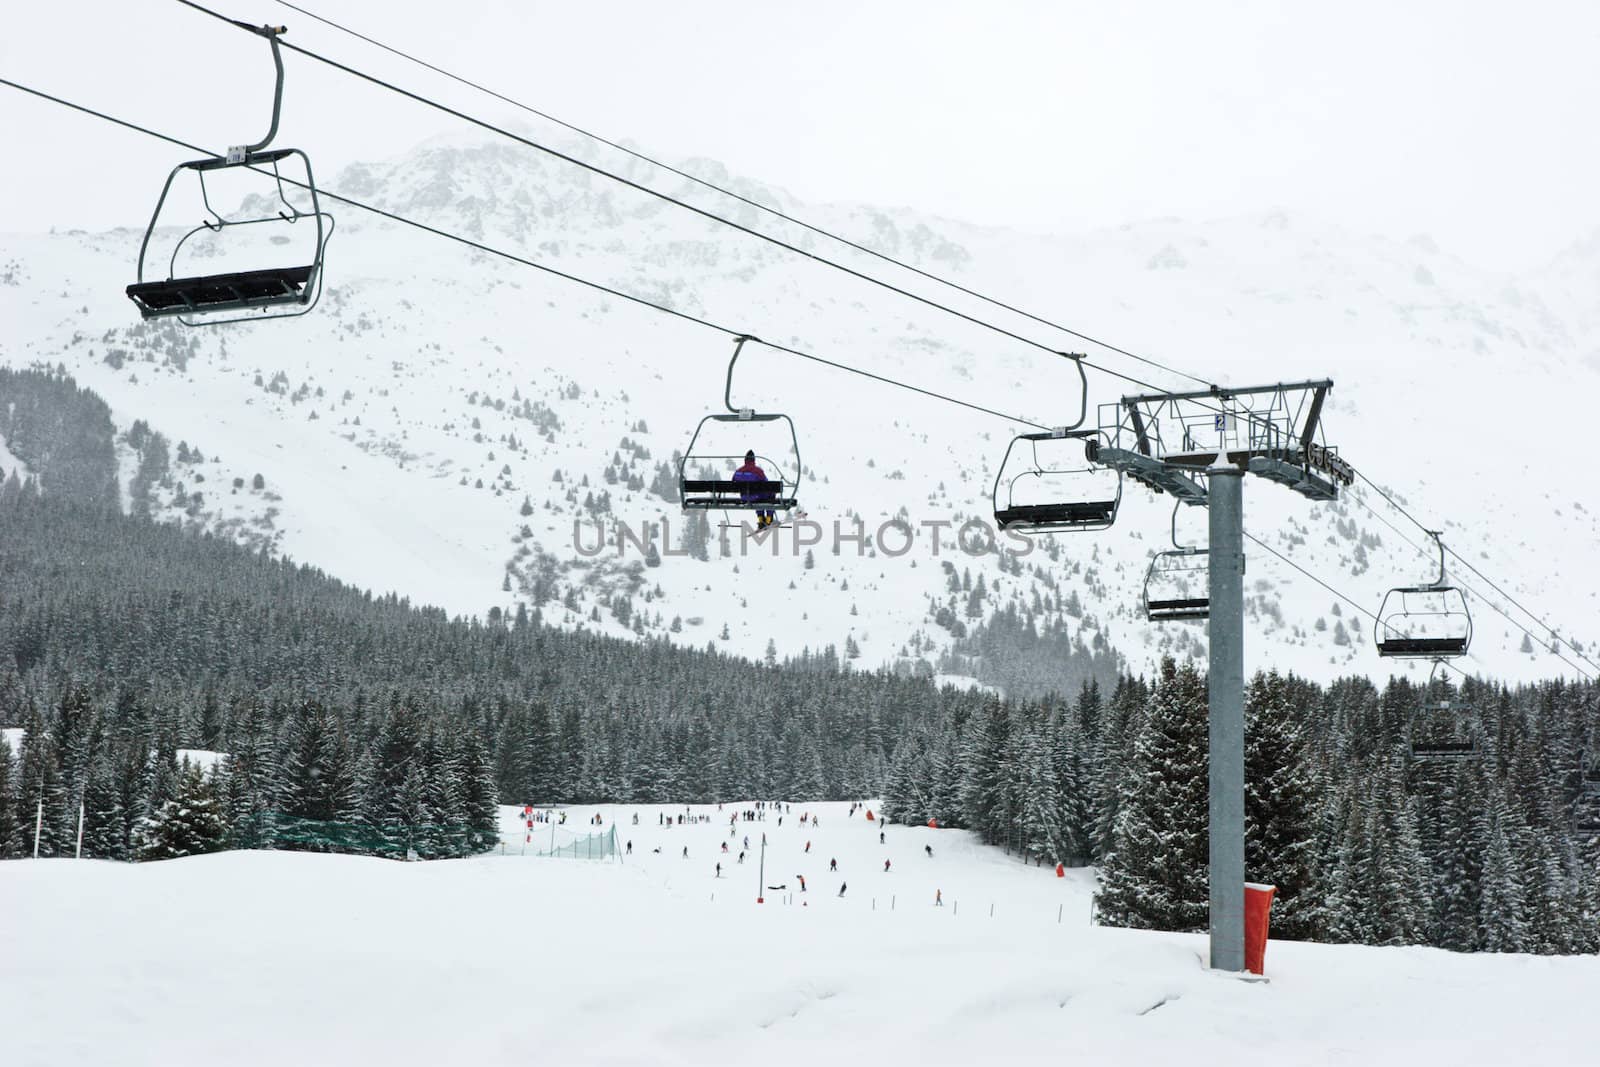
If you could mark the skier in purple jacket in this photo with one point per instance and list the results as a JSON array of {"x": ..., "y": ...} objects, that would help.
[{"x": 751, "y": 472}]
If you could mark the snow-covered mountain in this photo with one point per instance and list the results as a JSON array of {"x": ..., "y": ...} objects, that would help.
[{"x": 450, "y": 425}]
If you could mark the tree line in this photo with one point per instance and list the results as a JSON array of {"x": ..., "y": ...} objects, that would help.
[{"x": 1365, "y": 842}]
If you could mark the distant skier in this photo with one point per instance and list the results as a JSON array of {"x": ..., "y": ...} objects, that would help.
[
  {"x": 808, "y": 846},
  {"x": 938, "y": 898},
  {"x": 929, "y": 850},
  {"x": 833, "y": 865},
  {"x": 741, "y": 857},
  {"x": 719, "y": 870},
  {"x": 630, "y": 848},
  {"x": 880, "y": 837},
  {"x": 885, "y": 864},
  {"x": 802, "y": 879},
  {"x": 685, "y": 851},
  {"x": 724, "y": 846}
]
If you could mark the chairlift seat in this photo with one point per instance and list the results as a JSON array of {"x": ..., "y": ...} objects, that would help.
[
  {"x": 223, "y": 292},
  {"x": 1422, "y": 647},
  {"x": 1443, "y": 750},
  {"x": 1066, "y": 516},
  {"x": 728, "y": 494},
  {"x": 1187, "y": 608}
]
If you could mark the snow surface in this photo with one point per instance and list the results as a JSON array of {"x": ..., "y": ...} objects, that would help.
[
  {"x": 271, "y": 958},
  {"x": 203, "y": 758},
  {"x": 10, "y": 464},
  {"x": 14, "y": 736}
]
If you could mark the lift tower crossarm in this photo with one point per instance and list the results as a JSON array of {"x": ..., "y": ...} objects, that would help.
[{"x": 1224, "y": 393}]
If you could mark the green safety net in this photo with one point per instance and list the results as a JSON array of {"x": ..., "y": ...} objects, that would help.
[
  {"x": 398, "y": 840},
  {"x": 560, "y": 842}
]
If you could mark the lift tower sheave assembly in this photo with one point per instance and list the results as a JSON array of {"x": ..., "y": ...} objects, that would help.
[{"x": 1197, "y": 447}]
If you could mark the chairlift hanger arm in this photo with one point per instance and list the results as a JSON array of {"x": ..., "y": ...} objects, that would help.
[
  {"x": 727, "y": 391},
  {"x": 1438, "y": 540},
  {"x": 271, "y": 33}
]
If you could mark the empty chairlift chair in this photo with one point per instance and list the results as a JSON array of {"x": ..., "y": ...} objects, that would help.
[
  {"x": 1591, "y": 774},
  {"x": 268, "y": 292},
  {"x": 1441, "y": 731},
  {"x": 1424, "y": 621},
  {"x": 1053, "y": 493},
  {"x": 1177, "y": 587},
  {"x": 778, "y": 493}
]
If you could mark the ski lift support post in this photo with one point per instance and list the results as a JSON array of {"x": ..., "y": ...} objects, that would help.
[
  {"x": 253, "y": 290},
  {"x": 1168, "y": 442}
]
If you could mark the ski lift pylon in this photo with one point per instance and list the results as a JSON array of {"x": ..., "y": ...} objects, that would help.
[
  {"x": 216, "y": 298},
  {"x": 1177, "y": 587},
  {"x": 1017, "y": 484},
  {"x": 1424, "y": 621},
  {"x": 778, "y": 493}
]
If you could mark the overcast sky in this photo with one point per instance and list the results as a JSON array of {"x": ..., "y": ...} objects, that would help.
[{"x": 1473, "y": 122}]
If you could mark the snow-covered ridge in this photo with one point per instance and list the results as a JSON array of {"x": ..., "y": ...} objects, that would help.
[{"x": 404, "y": 428}]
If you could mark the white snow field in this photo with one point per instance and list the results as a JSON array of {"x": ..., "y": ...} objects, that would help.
[{"x": 293, "y": 958}]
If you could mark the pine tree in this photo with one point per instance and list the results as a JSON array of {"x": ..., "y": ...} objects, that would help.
[
  {"x": 192, "y": 822},
  {"x": 986, "y": 796},
  {"x": 1113, "y": 748},
  {"x": 317, "y": 769},
  {"x": 1381, "y": 887},
  {"x": 1039, "y": 830},
  {"x": 1501, "y": 921},
  {"x": 1280, "y": 809},
  {"x": 10, "y": 840},
  {"x": 479, "y": 797},
  {"x": 107, "y": 829},
  {"x": 1156, "y": 875}
]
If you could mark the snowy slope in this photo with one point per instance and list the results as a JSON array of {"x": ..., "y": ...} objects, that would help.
[
  {"x": 258, "y": 958},
  {"x": 401, "y": 426}
]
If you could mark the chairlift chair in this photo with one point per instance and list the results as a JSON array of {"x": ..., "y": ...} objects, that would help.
[
  {"x": 1424, "y": 621},
  {"x": 1430, "y": 744},
  {"x": 1034, "y": 496},
  {"x": 1591, "y": 774},
  {"x": 777, "y": 494},
  {"x": 1177, "y": 587},
  {"x": 250, "y": 295}
]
